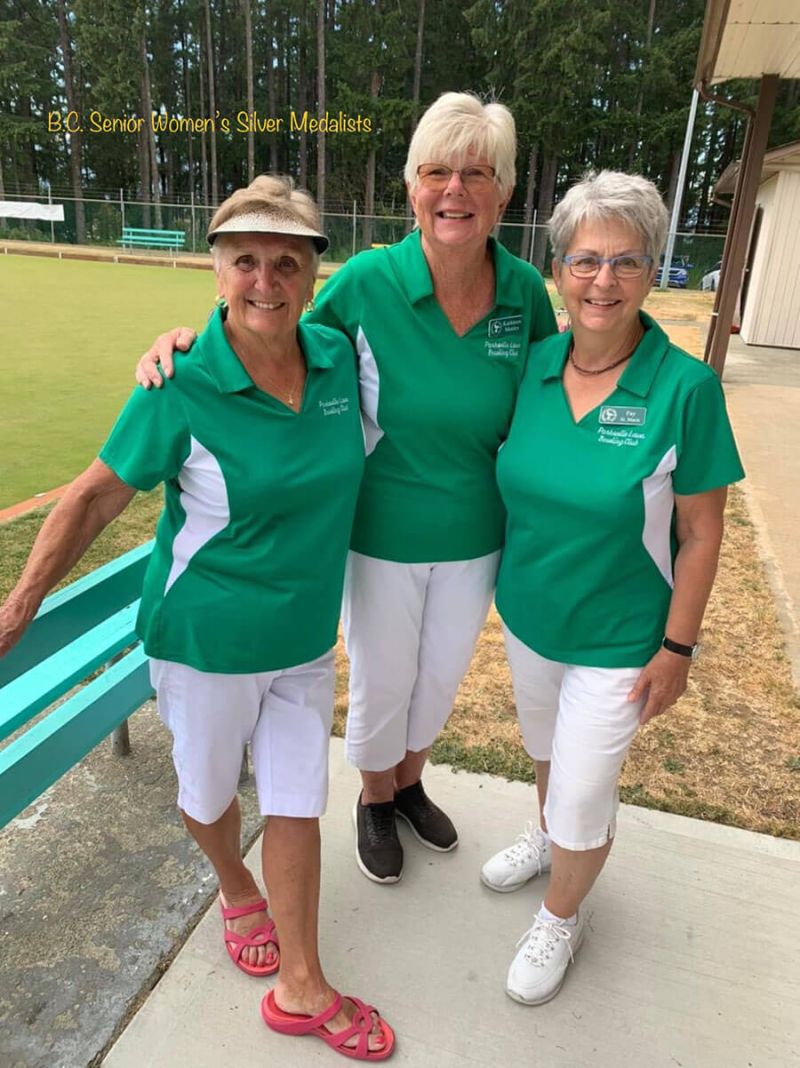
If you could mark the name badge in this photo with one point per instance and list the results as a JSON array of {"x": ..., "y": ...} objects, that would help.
[
  {"x": 619, "y": 415},
  {"x": 507, "y": 324}
]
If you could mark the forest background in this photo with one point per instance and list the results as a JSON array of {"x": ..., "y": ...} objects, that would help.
[{"x": 590, "y": 82}]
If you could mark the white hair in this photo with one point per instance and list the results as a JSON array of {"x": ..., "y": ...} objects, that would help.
[
  {"x": 458, "y": 125},
  {"x": 629, "y": 198}
]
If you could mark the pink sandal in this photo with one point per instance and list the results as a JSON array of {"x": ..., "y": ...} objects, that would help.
[
  {"x": 259, "y": 936},
  {"x": 288, "y": 1023}
]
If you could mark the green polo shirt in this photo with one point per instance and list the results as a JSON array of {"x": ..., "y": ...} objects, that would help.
[
  {"x": 248, "y": 566},
  {"x": 436, "y": 406},
  {"x": 586, "y": 576}
]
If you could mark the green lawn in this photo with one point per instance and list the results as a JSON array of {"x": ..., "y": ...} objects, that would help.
[{"x": 69, "y": 338}]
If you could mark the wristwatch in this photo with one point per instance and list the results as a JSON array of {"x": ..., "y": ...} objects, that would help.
[{"x": 690, "y": 651}]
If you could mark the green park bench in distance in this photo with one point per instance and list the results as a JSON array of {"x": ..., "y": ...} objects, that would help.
[
  {"x": 77, "y": 631},
  {"x": 135, "y": 237}
]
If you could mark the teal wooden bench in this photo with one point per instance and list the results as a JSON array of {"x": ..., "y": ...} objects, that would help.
[
  {"x": 135, "y": 237},
  {"x": 77, "y": 630}
]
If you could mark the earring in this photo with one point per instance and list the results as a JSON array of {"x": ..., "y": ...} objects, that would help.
[
  {"x": 310, "y": 305},
  {"x": 220, "y": 302}
]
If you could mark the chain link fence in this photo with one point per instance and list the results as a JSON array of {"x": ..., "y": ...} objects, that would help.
[{"x": 696, "y": 255}]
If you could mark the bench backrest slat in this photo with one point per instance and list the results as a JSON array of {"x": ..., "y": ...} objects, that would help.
[
  {"x": 29, "y": 693},
  {"x": 76, "y": 609},
  {"x": 137, "y": 231},
  {"x": 35, "y": 760}
]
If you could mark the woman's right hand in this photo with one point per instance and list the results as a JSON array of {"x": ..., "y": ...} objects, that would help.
[
  {"x": 15, "y": 615},
  {"x": 148, "y": 371}
]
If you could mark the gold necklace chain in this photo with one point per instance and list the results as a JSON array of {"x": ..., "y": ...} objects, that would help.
[{"x": 282, "y": 391}]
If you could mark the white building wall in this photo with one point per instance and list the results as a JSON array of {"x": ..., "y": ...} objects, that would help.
[
  {"x": 759, "y": 273},
  {"x": 772, "y": 315}
]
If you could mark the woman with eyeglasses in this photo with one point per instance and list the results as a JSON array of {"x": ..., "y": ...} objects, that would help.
[
  {"x": 614, "y": 477},
  {"x": 442, "y": 324}
]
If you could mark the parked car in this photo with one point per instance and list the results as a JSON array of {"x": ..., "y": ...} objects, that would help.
[
  {"x": 711, "y": 280},
  {"x": 678, "y": 274}
]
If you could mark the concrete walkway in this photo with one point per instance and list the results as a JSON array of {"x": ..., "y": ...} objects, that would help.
[
  {"x": 681, "y": 965},
  {"x": 763, "y": 389}
]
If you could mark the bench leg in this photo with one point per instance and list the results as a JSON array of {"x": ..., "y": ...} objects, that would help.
[{"x": 120, "y": 740}]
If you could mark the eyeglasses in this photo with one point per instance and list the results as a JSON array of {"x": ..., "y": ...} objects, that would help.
[
  {"x": 437, "y": 176},
  {"x": 582, "y": 265}
]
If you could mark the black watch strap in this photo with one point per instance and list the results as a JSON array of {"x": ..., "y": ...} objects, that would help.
[{"x": 676, "y": 647}]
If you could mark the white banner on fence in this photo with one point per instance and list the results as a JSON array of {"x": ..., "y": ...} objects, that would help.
[{"x": 19, "y": 209}]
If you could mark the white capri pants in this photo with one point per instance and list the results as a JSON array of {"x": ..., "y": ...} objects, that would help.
[
  {"x": 286, "y": 716},
  {"x": 410, "y": 631},
  {"x": 578, "y": 718}
]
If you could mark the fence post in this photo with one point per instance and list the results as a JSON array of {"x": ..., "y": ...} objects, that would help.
[
  {"x": 354, "y": 229},
  {"x": 122, "y": 209},
  {"x": 533, "y": 236},
  {"x": 52, "y": 224},
  {"x": 194, "y": 241}
]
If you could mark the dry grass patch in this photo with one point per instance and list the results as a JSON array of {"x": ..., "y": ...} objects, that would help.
[{"x": 729, "y": 751}]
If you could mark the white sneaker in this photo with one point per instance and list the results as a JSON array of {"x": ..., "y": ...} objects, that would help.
[
  {"x": 511, "y": 868},
  {"x": 545, "y": 953}
]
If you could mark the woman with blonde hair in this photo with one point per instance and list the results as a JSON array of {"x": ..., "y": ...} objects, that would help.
[{"x": 441, "y": 323}]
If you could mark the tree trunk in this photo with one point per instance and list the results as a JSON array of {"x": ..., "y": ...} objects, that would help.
[
  {"x": 703, "y": 210},
  {"x": 147, "y": 112},
  {"x": 212, "y": 107},
  {"x": 321, "y": 104},
  {"x": 673, "y": 178},
  {"x": 302, "y": 103},
  {"x": 415, "y": 92},
  {"x": 417, "y": 66},
  {"x": 74, "y": 139},
  {"x": 369, "y": 189},
  {"x": 546, "y": 195},
  {"x": 248, "y": 46},
  {"x": 651, "y": 18},
  {"x": 187, "y": 103},
  {"x": 2, "y": 183},
  {"x": 530, "y": 189},
  {"x": 203, "y": 142},
  {"x": 273, "y": 141}
]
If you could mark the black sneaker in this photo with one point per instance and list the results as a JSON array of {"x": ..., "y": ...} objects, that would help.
[
  {"x": 378, "y": 850},
  {"x": 433, "y": 827}
]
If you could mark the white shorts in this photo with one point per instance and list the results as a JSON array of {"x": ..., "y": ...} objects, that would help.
[
  {"x": 286, "y": 717},
  {"x": 578, "y": 718},
  {"x": 410, "y": 630}
]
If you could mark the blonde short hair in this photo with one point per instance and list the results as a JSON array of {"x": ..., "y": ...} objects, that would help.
[
  {"x": 458, "y": 124},
  {"x": 272, "y": 195},
  {"x": 630, "y": 198}
]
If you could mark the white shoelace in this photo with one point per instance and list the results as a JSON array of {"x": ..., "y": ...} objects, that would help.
[
  {"x": 525, "y": 849},
  {"x": 543, "y": 937}
]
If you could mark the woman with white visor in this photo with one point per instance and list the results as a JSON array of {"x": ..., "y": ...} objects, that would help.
[{"x": 441, "y": 322}]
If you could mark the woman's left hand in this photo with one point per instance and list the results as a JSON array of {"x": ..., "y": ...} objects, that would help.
[{"x": 662, "y": 682}]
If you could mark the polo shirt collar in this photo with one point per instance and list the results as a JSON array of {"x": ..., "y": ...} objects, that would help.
[
  {"x": 415, "y": 276},
  {"x": 638, "y": 376},
  {"x": 228, "y": 371}
]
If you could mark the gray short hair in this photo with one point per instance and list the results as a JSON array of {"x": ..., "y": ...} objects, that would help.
[
  {"x": 459, "y": 123},
  {"x": 268, "y": 193},
  {"x": 611, "y": 195}
]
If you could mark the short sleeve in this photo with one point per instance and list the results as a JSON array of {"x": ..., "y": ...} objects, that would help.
[
  {"x": 150, "y": 440},
  {"x": 333, "y": 305},
  {"x": 543, "y": 320},
  {"x": 708, "y": 457}
]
